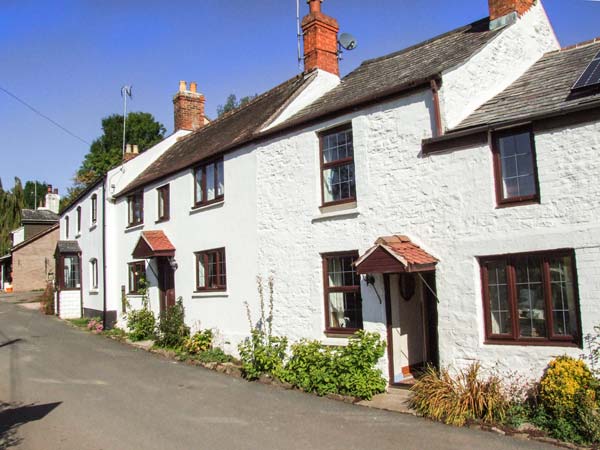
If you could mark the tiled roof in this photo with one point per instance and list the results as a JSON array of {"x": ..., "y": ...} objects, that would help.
[
  {"x": 544, "y": 89},
  {"x": 229, "y": 131},
  {"x": 395, "y": 254},
  {"x": 399, "y": 71},
  {"x": 68, "y": 247},
  {"x": 38, "y": 215},
  {"x": 158, "y": 241},
  {"x": 406, "y": 250}
]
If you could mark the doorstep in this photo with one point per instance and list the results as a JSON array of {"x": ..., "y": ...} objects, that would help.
[{"x": 393, "y": 400}]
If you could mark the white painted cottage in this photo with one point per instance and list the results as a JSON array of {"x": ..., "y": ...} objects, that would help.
[{"x": 444, "y": 195}]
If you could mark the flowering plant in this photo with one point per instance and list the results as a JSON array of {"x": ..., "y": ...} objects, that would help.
[{"x": 95, "y": 326}]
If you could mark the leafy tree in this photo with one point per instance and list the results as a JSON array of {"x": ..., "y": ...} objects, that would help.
[
  {"x": 11, "y": 203},
  {"x": 30, "y": 193},
  {"x": 232, "y": 103}
]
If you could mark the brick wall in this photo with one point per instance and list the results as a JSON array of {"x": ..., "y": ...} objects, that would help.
[
  {"x": 500, "y": 8},
  {"x": 33, "y": 263}
]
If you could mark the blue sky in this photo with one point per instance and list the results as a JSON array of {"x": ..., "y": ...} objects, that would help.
[{"x": 69, "y": 58}]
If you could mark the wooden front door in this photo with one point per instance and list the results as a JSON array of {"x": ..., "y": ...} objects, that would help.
[{"x": 166, "y": 284}]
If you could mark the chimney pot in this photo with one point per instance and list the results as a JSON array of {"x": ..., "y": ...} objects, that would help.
[
  {"x": 135, "y": 149},
  {"x": 182, "y": 86},
  {"x": 56, "y": 191},
  {"x": 128, "y": 148},
  {"x": 315, "y": 5},
  {"x": 193, "y": 87},
  {"x": 49, "y": 189}
]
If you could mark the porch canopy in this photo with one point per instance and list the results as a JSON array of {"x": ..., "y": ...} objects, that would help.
[
  {"x": 395, "y": 254},
  {"x": 67, "y": 247},
  {"x": 153, "y": 244}
]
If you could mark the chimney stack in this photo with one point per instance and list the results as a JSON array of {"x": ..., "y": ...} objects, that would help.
[
  {"x": 504, "y": 12},
  {"x": 189, "y": 107},
  {"x": 52, "y": 201},
  {"x": 320, "y": 40},
  {"x": 131, "y": 151}
]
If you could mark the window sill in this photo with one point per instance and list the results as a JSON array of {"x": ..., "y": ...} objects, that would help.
[
  {"x": 215, "y": 205},
  {"x": 210, "y": 294},
  {"x": 93, "y": 226},
  {"x": 341, "y": 333},
  {"x": 513, "y": 203},
  {"x": 533, "y": 343},
  {"x": 94, "y": 292},
  {"x": 351, "y": 212},
  {"x": 166, "y": 219},
  {"x": 130, "y": 228}
]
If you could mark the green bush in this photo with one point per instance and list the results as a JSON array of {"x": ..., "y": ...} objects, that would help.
[
  {"x": 141, "y": 324},
  {"x": 214, "y": 355},
  {"x": 454, "y": 400},
  {"x": 348, "y": 370},
  {"x": 199, "y": 342},
  {"x": 172, "y": 330}
]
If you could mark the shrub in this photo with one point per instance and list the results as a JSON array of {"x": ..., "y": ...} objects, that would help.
[
  {"x": 262, "y": 353},
  {"x": 199, "y": 342},
  {"x": 172, "y": 330},
  {"x": 141, "y": 324},
  {"x": 214, "y": 355},
  {"x": 348, "y": 370},
  {"x": 566, "y": 379},
  {"x": 456, "y": 399},
  {"x": 47, "y": 300}
]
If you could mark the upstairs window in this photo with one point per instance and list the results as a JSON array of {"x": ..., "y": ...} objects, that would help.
[
  {"x": 531, "y": 298},
  {"x": 515, "y": 167},
  {"x": 211, "y": 270},
  {"x": 94, "y": 209},
  {"x": 343, "y": 303},
  {"x": 78, "y": 219},
  {"x": 337, "y": 166},
  {"x": 135, "y": 203},
  {"x": 137, "y": 277},
  {"x": 163, "y": 203},
  {"x": 209, "y": 183}
]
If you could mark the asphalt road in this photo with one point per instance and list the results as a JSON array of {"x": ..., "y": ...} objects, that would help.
[{"x": 63, "y": 388}]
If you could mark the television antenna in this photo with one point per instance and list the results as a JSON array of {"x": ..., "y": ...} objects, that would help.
[{"x": 125, "y": 92}]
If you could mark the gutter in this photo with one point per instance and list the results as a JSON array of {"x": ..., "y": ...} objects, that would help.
[
  {"x": 432, "y": 145},
  {"x": 104, "y": 252}
]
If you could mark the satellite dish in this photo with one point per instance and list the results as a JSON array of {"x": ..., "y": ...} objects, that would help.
[{"x": 347, "y": 41}]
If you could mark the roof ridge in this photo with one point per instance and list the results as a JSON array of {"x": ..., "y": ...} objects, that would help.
[
  {"x": 425, "y": 42},
  {"x": 582, "y": 44}
]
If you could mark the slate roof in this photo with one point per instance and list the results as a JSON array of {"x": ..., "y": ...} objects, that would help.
[
  {"x": 225, "y": 133},
  {"x": 38, "y": 215},
  {"x": 544, "y": 89},
  {"x": 68, "y": 247},
  {"x": 374, "y": 79},
  {"x": 402, "y": 70}
]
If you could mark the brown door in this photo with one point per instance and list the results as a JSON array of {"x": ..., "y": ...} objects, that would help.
[{"x": 166, "y": 284}]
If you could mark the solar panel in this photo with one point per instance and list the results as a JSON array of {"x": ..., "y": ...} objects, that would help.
[{"x": 590, "y": 76}]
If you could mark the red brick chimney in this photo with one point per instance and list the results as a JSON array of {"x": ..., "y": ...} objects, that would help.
[
  {"x": 502, "y": 8},
  {"x": 189, "y": 108},
  {"x": 320, "y": 40}
]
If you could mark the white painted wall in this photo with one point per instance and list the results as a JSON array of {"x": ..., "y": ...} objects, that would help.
[
  {"x": 70, "y": 304},
  {"x": 496, "y": 66},
  {"x": 18, "y": 236}
]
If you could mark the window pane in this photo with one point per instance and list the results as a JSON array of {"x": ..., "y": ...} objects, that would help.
[
  {"x": 498, "y": 296},
  {"x": 337, "y": 146},
  {"x": 199, "y": 197},
  {"x": 161, "y": 203},
  {"x": 345, "y": 310},
  {"x": 517, "y": 165},
  {"x": 563, "y": 296},
  {"x": 222, "y": 281},
  {"x": 71, "y": 272},
  {"x": 338, "y": 183},
  {"x": 341, "y": 272},
  {"x": 210, "y": 182},
  {"x": 201, "y": 272},
  {"x": 220, "y": 179},
  {"x": 530, "y": 297}
]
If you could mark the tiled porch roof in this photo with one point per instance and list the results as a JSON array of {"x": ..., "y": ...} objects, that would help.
[{"x": 395, "y": 254}]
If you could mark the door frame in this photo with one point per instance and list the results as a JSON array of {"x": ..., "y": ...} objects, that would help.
[{"x": 166, "y": 277}]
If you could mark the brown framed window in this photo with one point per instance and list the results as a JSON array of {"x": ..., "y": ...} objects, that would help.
[
  {"x": 135, "y": 208},
  {"x": 66, "y": 227},
  {"x": 70, "y": 272},
  {"x": 515, "y": 167},
  {"x": 211, "y": 270},
  {"x": 94, "y": 209},
  {"x": 343, "y": 303},
  {"x": 163, "y": 203},
  {"x": 78, "y": 219},
  {"x": 531, "y": 298},
  {"x": 137, "y": 276},
  {"x": 209, "y": 183},
  {"x": 337, "y": 166}
]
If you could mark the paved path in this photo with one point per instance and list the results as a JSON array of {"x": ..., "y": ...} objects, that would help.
[{"x": 81, "y": 391}]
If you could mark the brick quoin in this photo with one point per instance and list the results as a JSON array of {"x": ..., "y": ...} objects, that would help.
[
  {"x": 188, "y": 108},
  {"x": 320, "y": 40},
  {"x": 501, "y": 8}
]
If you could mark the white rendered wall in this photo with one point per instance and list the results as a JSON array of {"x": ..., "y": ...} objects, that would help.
[
  {"x": 445, "y": 203},
  {"x": 70, "y": 304},
  {"x": 496, "y": 66}
]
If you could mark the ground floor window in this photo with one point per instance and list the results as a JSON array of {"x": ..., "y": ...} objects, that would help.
[
  {"x": 343, "y": 303},
  {"x": 211, "y": 270},
  {"x": 531, "y": 298},
  {"x": 70, "y": 274},
  {"x": 137, "y": 276}
]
